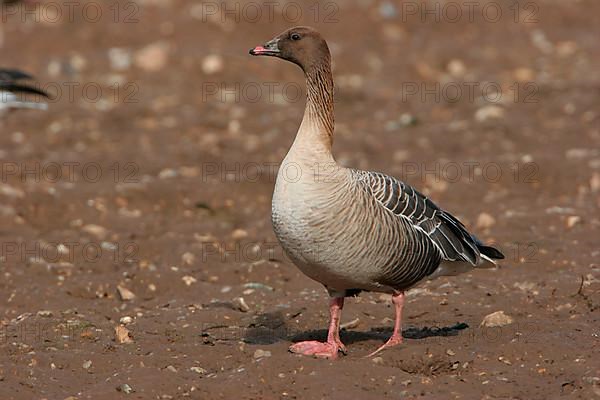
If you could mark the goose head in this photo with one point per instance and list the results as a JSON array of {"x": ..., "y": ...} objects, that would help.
[{"x": 301, "y": 45}]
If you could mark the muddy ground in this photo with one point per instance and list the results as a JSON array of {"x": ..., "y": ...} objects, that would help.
[{"x": 141, "y": 199}]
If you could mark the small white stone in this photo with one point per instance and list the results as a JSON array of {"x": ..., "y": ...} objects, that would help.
[
  {"x": 125, "y": 294},
  {"x": 489, "y": 112},
  {"x": 189, "y": 280},
  {"x": 212, "y": 64},
  {"x": 198, "y": 370},
  {"x": 239, "y": 234},
  {"x": 120, "y": 59},
  {"x": 495, "y": 319},
  {"x": 153, "y": 57},
  {"x": 485, "y": 221},
  {"x": 262, "y": 353},
  {"x": 457, "y": 68},
  {"x": 240, "y": 304},
  {"x": 96, "y": 230},
  {"x": 188, "y": 258},
  {"x": 573, "y": 220}
]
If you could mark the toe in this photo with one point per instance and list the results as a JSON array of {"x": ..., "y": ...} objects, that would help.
[
  {"x": 393, "y": 341},
  {"x": 307, "y": 347},
  {"x": 317, "y": 349}
]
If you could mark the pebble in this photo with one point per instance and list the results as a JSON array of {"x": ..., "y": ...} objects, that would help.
[
  {"x": 388, "y": 10},
  {"x": 559, "y": 210},
  {"x": 122, "y": 335},
  {"x": 401, "y": 156},
  {"x": 125, "y": 294},
  {"x": 350, "y": 324},
  {"x": 485, "y": 221},
  {"x": 592, "y": 380},
  {"x": 129, "y": 213},
  {"x": 526, "y": 287},
  {"x": 573, "y": 220},
  {"x": 189, "y": 280},
  {"x": 78, "y": 62},
  {"x": 407, "y": 119},
  {"x": 212, "y": 64},
  {"x": 198, "y": 370},
  {"x": 234, "y": 126},
  {"x": 12, "y": 192},
  {"x": 153, "y": 57},
  {"x": 96, "y": 230},
  {"x": 239, "y": 234},
  {"x": 566, "y": 48},
  {"x": 125, "y": 388},
  {"x": 257, "y": 285},
  {"x": 539, "y": 40},
  {"x": 595, "y": 182},
  {"x": 188, "y": 258},
  {"x": 524, "y": 74},
  {"x": 226, "y": 289},
  {"x": 240, "y": 304},
  {"x": 351, "y": 81},
  {"x": 496, "y": 319},
  {"x": 580, "y": 153},
  {"x": 45, "y": 313},
  {"x": 377, "y": 360},
  {"x": 120, "y": 58},
  {"x": 126, "y": 320},
  {"x": 384, "y": 298},
  {"x": 457, "y": 68},
  {"x": 167, "y": 173},
  {"x": 86, "y": 364},
  {"x": 393, "y": 32},
  {"x": 261, "y": 354},
  {"x": 486, "y": 113},
  {"x": 172, "y": 368}
]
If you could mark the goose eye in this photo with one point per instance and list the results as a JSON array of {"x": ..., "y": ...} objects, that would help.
[{"x": 295, "y": 36}]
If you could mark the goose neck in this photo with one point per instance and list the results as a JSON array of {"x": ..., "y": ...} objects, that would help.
[{"x": 315, "y": 135}]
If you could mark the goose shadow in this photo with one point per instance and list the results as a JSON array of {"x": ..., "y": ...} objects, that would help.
[
  {"x": 270, "y": 328},
  {"x": 382, "y": 333}
]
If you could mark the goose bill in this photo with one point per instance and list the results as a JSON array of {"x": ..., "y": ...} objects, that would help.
[{"x": 269, "y": 49}]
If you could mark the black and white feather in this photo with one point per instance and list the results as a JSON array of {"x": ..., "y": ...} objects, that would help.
[
  {"x": 16, "y": 92},
  {"x": 443, "y": 244},
  {"x": 446, "y": 232}
]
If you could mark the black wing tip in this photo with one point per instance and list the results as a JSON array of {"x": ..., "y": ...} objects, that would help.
[
  {"x": 9, "y": 80},
  {"x": 14, "y": 74},
  {"x": 491, "y": 252},
  {"x": 23, "y": 88}
]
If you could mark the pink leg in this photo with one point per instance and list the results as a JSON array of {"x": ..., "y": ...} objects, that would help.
[
  {"x": 330, "y": 348},
  {"x": 396, "y": 338}
]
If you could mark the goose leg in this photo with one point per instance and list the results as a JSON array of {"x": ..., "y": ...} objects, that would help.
[
  {"x": 330, "y": 348},
  {"x": 396, "y": 338}
]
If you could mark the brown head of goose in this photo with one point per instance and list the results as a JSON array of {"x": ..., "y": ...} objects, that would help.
[{"x": 354, "y": 230}]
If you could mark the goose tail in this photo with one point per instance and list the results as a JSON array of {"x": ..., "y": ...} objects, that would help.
[{"x": 488, "y": 255}]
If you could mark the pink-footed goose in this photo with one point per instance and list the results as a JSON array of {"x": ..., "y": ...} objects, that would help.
[{"x": 355, "y": 230}]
